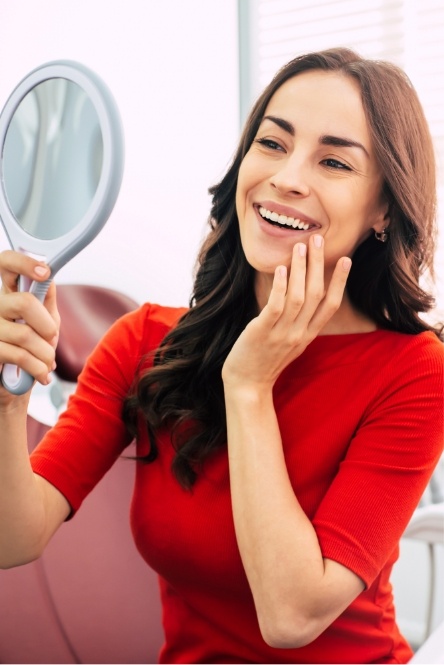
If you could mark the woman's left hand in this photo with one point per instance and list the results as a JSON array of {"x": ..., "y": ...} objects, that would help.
[{"x": 297, "y": 310}]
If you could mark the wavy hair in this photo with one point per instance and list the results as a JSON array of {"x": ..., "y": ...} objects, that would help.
[{"x": 183, "y": 390}]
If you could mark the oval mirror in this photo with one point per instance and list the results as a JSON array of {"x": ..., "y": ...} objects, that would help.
[
  {"x": 61, "y": 167},
  {"x": 53, "y": 141}
]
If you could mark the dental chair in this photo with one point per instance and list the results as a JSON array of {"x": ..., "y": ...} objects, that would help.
[
  {"x": 427, "y": 525},
  {"x": 432, "y": 651},
  {"x": 90, "y": 598}
]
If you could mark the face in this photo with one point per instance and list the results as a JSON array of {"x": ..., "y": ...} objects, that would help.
[{"x": 310, "y": 169}]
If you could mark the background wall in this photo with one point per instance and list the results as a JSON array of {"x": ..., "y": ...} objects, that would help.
[{"x": 172, "y": 67}]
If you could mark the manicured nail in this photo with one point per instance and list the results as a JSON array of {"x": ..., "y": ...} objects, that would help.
[
  {"x": 346, "y": 264},
  {"x": 302, "y": 249},
  {"x": 41, "y": 271},
  {"x": 318, "y": 240}
]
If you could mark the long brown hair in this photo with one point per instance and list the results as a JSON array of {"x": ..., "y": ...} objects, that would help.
[{"x": 183, "y": 390}]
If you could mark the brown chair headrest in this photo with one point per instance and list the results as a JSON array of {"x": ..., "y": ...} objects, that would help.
[{"x": 86, "y": 314}]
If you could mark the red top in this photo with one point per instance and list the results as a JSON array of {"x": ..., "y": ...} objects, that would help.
[{"x": 361, "y": 423}]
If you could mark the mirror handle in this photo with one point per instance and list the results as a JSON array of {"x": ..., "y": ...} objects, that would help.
[{"x": 13, "y": 378}]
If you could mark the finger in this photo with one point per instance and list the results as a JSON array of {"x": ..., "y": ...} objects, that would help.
[
  {"x": 276, "y": 300},
  {"x": 13, "y": 264},
  {"x": 20, "y": 357},
  {"x": 25, "y": 306},
  {"x": 51, "y": 304},
  {"x": 333, "y": 297},
  {"x": 296, "y": 284},
  {"x": 314, "y": 283},
  {"x": 24, "y": 337}
]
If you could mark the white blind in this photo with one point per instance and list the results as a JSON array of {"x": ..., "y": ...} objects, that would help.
[
  {"x": 409, "y": 33},
  {"x": 288, "y": 28}
]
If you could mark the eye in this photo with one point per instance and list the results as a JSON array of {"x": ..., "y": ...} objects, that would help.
[
  {"x": 335, "y": 164},
  {"x": 269, "y": 143}
]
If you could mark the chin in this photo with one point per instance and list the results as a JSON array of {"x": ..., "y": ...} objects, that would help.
[
  {"x": 267, "y": 261},
  {"x": 265, "y": 268}
]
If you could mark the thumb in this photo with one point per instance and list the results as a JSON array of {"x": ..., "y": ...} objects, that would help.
[{"x": 51, "y": 303}]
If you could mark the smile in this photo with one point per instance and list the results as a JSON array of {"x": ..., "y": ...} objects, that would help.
[{"x": 284, "y": 221}]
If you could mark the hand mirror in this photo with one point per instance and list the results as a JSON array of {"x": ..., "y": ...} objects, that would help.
[{"x": 61, "y": 166}]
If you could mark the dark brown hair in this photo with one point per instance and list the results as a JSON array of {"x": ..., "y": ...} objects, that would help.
[{"x": 183, "y": 390}]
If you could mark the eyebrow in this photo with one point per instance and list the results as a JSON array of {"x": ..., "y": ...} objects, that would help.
[{"x": 326, "y": 139}]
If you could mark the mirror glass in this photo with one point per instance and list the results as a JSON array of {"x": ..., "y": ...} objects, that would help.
[{"x": 53, "y": 140}]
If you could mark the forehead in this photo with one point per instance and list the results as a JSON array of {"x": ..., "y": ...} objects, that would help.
[{"x": 325, "y": 102}]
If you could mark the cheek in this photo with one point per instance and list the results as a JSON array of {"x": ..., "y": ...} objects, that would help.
[
  {"x": 245, "y": 183},
  {"x": 365, "y": 197},
  {"x": 240, "y": 204},
  {"x": 353, "y": 209},
  {"x": 352, "y": 216}
]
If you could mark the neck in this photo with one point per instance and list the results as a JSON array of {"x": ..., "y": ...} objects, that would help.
[{"x": 347, "y": 319}]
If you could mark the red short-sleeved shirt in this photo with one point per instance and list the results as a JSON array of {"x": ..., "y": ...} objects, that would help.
[{"x": 361, "y": 423}]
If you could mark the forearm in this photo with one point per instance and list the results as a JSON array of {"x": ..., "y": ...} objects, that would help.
[
  {"x": 21, "y": 502},
  {"x": 277, "y": 542}
]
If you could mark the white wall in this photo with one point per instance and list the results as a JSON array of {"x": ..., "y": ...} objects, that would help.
[{"x": 172, "y": 67}]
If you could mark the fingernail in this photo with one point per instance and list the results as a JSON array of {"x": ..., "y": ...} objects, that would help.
[
  {"x": 346, "y": 263},
  {"x": 53, "y": 366},
  {"x": 302, "y": 249},
  {"x": 41, "y": 271},
  {"x": 282, "y": 271},
  {"x": 318, "y": 240},
  {"x": 48, "y": 379}
]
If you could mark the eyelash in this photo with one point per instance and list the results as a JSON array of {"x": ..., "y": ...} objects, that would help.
[
  {"x": 331, "y": 163},
  {"x": 269, "y": 143},
  {"x": 339, "y": 166}
]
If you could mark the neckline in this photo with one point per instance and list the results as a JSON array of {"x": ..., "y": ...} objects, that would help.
[{"x": 352, "y": 334}]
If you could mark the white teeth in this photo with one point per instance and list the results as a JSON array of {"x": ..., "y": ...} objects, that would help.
[{"x": 283, "y": 219}]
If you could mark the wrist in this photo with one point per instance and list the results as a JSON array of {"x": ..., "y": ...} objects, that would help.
[
  {"x": 13, "y": 406},
  {"x": 248, "y": 392}
]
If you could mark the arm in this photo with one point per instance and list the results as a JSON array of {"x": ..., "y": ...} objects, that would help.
[
  {"x": 297, "y": 593},
  {"x": 30, "y": 508}
]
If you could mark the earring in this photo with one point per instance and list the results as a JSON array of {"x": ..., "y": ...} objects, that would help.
[{"x": 382, "y": 236}]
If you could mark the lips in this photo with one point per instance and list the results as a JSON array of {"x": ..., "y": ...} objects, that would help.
[{"x": 285, "y": 217}]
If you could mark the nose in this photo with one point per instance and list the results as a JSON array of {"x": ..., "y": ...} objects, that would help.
[{"x": 291, "y": 177}]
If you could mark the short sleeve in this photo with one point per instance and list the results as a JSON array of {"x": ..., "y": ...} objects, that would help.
[
  {"x": 90, "y": 435},
  {"x": 388, "y": 463}
]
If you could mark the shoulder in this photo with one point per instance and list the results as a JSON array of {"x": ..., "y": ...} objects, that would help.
[
  {"x": 424, "y": 344},
  {"x": 398, "y": 363},
  {"x": 131, "y": 338},
  {"x": 407, "y": 389},
  {"x": 421, "y": 354},
  {"x": 390, "y": 347},
  {"x": 146, "y": 325},
  {"x": 381, "y": 352},
  {"x": 380, "y": 367}
]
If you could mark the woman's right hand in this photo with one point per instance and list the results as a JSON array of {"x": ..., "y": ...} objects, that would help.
[{"x": 30, "y": 345}]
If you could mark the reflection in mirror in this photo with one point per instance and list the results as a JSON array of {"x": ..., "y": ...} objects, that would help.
[{"x": 53, "y": 140}]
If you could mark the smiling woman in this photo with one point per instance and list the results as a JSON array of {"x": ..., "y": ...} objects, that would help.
[{"x": 276, "y": 469}]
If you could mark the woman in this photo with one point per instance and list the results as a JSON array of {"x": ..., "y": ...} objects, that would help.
[{"x": 287, "y": 424}]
